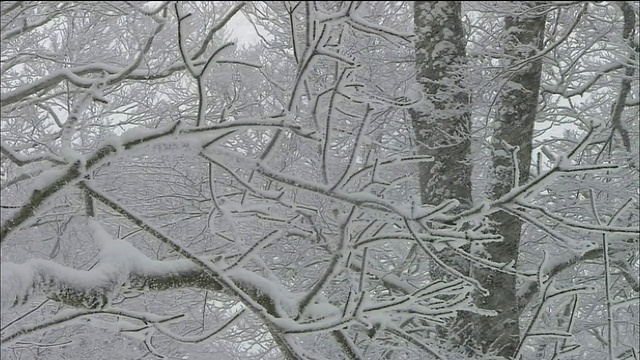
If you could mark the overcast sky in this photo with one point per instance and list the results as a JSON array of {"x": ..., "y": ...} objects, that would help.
[{"x": 243, "y": 30}]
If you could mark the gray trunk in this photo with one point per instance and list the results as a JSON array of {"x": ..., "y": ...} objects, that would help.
[
  {"x": 513, "y": 126},
  {"x": 442, "y": 122}
]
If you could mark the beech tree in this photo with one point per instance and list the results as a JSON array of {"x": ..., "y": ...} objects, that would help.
[
  {"x": 358, "y": 183},
  {"x": 511, "y": 144}
]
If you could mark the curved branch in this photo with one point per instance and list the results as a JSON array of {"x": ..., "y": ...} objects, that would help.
[
  {"x": 75, "y": 76},
  {"x": 75, "y": 171},
  {"x": 74, "y": 314},
  {"x": 22, "y": 160}
]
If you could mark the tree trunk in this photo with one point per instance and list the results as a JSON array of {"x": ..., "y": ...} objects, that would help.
[
  {"x": 442, "y": 121},
  {"x": 513, "y": 127}
]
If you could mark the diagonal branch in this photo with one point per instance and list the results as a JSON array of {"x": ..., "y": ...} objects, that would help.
[
  {"x": 75, "y": 171},
  {"x": 22, "y": 160},
  {"x": 38, "y": 197},
  {"x": 74, "y": 314}
]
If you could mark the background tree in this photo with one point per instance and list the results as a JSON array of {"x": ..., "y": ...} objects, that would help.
[
  {"x": 568, "y": 29},
  {"x": 511, "y": 144}
]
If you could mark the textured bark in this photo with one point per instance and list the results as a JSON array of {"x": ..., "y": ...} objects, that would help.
[
  {"x": 625, "y": 86},
  {"x": 442, "y": 121},
  {"x": 513, "y": 127}
]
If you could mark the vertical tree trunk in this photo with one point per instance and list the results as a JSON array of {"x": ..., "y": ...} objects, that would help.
[
  {"x": 513, "y": 127},
  {"x": 442, "y": 122}
]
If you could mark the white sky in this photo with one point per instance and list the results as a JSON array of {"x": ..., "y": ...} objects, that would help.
[{"x": 243, "y": 30}]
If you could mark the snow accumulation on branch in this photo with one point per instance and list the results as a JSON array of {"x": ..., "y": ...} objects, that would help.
[
  {"x": 67, "y": 316},
  {"x": 332, "y": 239},
  {"x": 76, "y": 76},
  {"x": 120, "y": 264},
  {"x": 171, "y": 138}
]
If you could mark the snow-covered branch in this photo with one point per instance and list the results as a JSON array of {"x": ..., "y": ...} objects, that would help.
[
  {"x": 323, "y": 205},
  {"x": 121, "y": 264},
  {"x": 189, "y": 139}
]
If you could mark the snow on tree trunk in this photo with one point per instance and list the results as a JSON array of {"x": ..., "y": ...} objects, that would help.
[
  {"x": 441, "y": 122},
  {"x": 512, "y": 139}
]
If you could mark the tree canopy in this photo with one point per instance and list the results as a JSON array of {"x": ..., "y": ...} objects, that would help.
[{"x": 365, "y": 180}]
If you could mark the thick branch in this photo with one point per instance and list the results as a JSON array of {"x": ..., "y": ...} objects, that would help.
[
  {"x": 37, "y": 198},
  {"x": 94, "y": 288}
]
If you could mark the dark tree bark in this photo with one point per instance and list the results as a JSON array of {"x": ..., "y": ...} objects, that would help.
[
  {"x": 442, "y": 122},
  {"x": 442, "y": 127},
  {"x": 513, "y": 127}
]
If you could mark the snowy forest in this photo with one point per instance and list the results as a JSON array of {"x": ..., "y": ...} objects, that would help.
[{"x": 320, "y": 180}]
